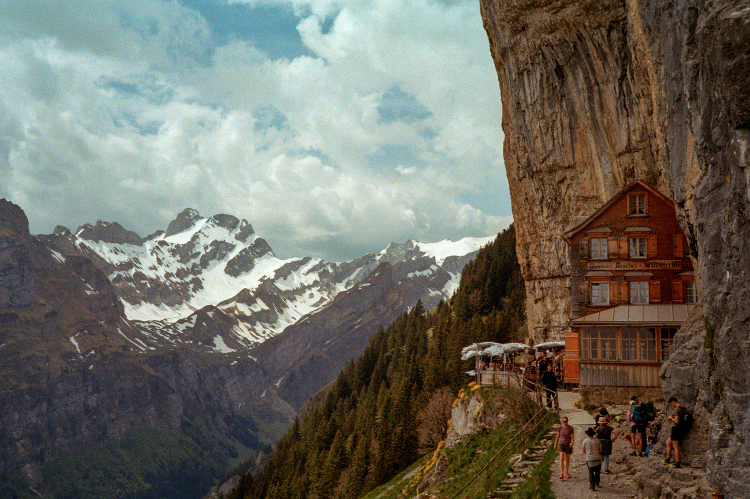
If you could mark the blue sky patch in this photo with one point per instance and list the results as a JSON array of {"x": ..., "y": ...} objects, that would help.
[
  {"x": 144, "y": 86},
  {"x": 270, "y": 29},
  {"x": 400, "y": 106},
  {"x": 270, "y": 117},
  {"x": 390, "y": 156}
]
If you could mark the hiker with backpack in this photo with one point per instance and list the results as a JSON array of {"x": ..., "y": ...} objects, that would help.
[
  {"x": 680, "y": 420},
  {"x": 638, "y": 421},
  {"x": 606, "y": 435}
]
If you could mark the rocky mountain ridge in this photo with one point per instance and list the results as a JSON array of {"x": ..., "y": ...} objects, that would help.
[
  {"x": 599, "y": 93},
  {"x": 216, "y": 274},
  {"x": 75, "y": 369}
]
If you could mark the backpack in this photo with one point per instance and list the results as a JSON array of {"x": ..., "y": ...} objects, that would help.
[
  {"x": 686, "y": 421},
  {"x": 649, "y": 409},
  {"x": 639, "y": 414}
]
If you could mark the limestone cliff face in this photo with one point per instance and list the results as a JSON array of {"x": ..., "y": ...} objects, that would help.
[{"x": 597, "y": 93}]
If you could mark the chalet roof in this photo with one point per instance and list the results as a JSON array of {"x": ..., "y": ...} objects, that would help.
[
  {"x": 641, "y": 315},
  {"x": 586, "y": 221}
]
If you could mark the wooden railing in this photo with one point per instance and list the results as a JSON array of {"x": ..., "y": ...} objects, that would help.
[{"x": 516, "y": 379}]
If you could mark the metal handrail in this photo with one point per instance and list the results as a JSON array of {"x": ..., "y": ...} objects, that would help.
[
  {"x": 520, "y": 443},
  {"x": 542, "y": 410}
]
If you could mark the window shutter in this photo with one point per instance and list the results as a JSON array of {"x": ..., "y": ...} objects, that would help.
[
  {"x": 622, "y": 242},
  {"x": 651, "y": 248},
  {"x": 623, "y": 291},
  {"x": 679, "y": 245},
  {"x": 678, "y": 296},
  {"x": 654, "y": 291},
  {"x": 613, "y": 292},
  {"x": 583, "y": 292},
  {"x": 584, "y": 248},
  {"x": 612, "y": 247}
]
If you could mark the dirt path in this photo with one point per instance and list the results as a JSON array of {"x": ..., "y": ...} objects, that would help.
[{"x": 619, "y": 483}]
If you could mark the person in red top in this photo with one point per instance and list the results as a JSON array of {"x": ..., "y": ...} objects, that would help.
[{"x": 564, "y": 445}]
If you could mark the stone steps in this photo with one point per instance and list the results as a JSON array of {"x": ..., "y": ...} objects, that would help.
[{"x": 521, "y": 465}]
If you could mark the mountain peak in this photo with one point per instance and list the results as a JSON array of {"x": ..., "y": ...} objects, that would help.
[
  {"x": 396, "y": 252},
  {"x": 109, "y": 232},
  {"x": 13, "y": 218},
  {"x": 184, "y": 221},
  {"x": 229, "y": 222},
  {"x": 246, "y": 230}
]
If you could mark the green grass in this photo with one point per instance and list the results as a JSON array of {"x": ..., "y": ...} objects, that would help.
[
  {"x": 464, "y": 461},
  {"x": 392, "y": 489},
  {"x": 539, "y": 483},
  {"x": 468, "y": 458}
]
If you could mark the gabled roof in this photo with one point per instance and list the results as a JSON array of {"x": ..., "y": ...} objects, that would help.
[
  {"x": 632, "y": 185},
  {"x": 640, "y": 315}
]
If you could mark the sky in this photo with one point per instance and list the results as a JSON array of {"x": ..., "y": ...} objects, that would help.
[{"x": 333, "y": 127}]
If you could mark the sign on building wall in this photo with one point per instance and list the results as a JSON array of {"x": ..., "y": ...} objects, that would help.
[{"x": 636, "y": 265}]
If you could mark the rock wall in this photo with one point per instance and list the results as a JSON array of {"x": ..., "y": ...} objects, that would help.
[{"x": 597, "y": 93}]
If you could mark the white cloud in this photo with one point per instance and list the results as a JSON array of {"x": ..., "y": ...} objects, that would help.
[{"x": 131, "y": 112}]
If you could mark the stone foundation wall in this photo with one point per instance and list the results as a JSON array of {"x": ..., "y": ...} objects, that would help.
[{"x": 610, "y": 395}]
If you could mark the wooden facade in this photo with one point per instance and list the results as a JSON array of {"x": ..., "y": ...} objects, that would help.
[
  {"x": 624, "y": 346},
  {"x": 630, "y": 268}
]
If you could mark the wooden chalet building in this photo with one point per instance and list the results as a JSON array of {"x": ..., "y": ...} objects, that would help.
[{"x": 632, "y": 287}]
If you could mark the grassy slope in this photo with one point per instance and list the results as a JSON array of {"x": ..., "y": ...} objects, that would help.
[{"x": 467, "y": 459}]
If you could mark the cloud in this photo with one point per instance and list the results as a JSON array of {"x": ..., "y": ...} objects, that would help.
[{"x": 335, "y": 128}]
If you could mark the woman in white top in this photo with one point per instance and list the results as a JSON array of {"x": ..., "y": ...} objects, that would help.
[{"x": 592, "y": 447}]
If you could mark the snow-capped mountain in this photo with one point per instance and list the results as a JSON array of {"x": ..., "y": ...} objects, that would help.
[
  {"x": 103, "y": 330},
  {"x": 214, "y": 283}
]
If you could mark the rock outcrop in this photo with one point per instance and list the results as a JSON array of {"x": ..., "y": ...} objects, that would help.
[{"x": 597, "y": 93}]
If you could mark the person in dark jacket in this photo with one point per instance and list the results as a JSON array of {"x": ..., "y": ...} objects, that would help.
[
  {"x": 606, "y": 435},
  {"x": 549, "y": 380}
]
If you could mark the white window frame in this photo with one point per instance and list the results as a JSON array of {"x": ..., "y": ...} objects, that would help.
[
  {"x": 637, "y": 204},
  {"x": 688, "y": 292},
  {"x": 599, "y": 293},
  {"x": 639, "y": 292},
  {"x": 638, "y": 247},
  {"x": 598, "y": 249}
]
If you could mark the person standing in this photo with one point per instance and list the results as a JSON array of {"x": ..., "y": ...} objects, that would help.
[
  {"x": 606, "y": 435},
  {"x": 549, "y": 380},
  {"x": 564, "y": 445},
  {"x": 602, "y": 412},
  {"x": 592, "y": 447},
  {"x": 637, "y": 429},
  {"x": 676, "y": 433}
]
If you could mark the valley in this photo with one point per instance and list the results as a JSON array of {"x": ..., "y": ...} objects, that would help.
[{"x": 103, "y": 331}]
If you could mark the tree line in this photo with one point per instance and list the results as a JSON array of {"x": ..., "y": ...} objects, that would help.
[{"x": 391, "y": 406}]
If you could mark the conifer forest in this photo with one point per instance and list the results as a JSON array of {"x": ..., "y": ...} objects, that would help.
[{"x": 392, "y": 405}]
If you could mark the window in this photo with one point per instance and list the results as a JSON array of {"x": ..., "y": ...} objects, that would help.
[
  {"x": 599, "y": 247},
  {"x": 637, "y": 204},
  {"x": 600, "y": 293},
  {"x": 599, "y": 343},
  {"x": 638, "y": 247},
  {"x": 688, "y": 290},
  {"x": 639, "y": 293},
  {"x": 667, "y": 337},
  {"x": 638, "y": 343}
]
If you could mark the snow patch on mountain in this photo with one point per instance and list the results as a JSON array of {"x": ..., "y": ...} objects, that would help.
[
  {"x": 166, "y": 281},
  {"x": 443, "y": 249}
]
